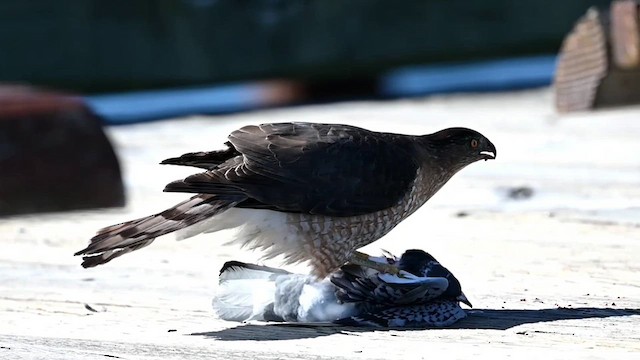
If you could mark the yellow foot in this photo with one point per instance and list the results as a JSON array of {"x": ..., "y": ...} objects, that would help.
[{"x": 365, "y": 260}]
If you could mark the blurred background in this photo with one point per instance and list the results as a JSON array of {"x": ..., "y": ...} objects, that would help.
[
  {"x": 310, "y": 51},
  {"x": 68, "y": 69}
]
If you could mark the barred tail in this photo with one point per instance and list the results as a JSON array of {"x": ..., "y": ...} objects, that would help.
[{"x": 119, "y": 239}]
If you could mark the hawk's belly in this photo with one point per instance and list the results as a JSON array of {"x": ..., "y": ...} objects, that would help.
[{"x": 327, "y": 242}]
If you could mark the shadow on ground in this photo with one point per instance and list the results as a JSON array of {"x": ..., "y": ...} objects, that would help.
[{"x": 488, "y": 319}]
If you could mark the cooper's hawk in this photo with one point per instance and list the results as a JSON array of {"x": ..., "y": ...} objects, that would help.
[{"x": 311, "y": 192}]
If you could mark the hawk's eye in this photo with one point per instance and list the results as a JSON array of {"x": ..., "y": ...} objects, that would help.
[{"x": 474, "y": 143}]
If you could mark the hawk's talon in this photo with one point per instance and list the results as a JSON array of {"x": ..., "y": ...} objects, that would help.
[{"x": 364, "y": 260}]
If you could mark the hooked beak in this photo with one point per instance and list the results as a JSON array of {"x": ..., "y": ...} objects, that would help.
[
  {"x": 463, "y": 299},
  {"x": 490, "y": 153}
]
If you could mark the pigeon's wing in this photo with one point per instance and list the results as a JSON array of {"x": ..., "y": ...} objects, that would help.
[
  {"x": 357, "y": 284},
  {"x": 409, "y": 292},
  {"x": 334, "y": 170},
  {"x": 433, "y": 314}
]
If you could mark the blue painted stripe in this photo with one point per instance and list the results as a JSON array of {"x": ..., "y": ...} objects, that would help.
[
  {"x": 505, "y": 74},
  {"x": 498, "y": 75},
  {"x": 140, "y": 106}
]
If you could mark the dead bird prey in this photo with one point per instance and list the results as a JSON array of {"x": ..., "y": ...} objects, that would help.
[
  {"x": 427, "y": 295},
  {"x": 311, "y": 192}
]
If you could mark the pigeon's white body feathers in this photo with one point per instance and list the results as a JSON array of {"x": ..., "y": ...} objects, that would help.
[
  {"x": 318, "y": 304},
  {"x": 243, "y": 299},
  {"x": 258, "y": 293}
]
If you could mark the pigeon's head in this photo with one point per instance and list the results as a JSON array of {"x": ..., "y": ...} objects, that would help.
[
  {"x": 423, "y": 264},
  {"x": 416, "y": 262},
  {"x": 459, "y": 147}
]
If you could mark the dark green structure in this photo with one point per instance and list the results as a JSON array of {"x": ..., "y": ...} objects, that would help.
[{"x": 100, "y": 45}]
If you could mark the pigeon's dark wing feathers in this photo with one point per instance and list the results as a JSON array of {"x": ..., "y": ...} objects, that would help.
[
  {"x": 235, "y": 265},
  {"x": 355, "y": 284},
  {"x": 430, "y": 314},
  {"x": 324, "y": 169}
]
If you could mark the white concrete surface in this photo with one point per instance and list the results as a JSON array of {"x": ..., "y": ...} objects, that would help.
[{"x": 574, "y": 245}]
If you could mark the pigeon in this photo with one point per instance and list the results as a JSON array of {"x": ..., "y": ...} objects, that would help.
[
  {"x": 309, "y": 192},
  {"x": 429, "y": 295}
]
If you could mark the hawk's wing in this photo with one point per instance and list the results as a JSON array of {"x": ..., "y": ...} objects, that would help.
[{"x": 322, "y": 169}]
